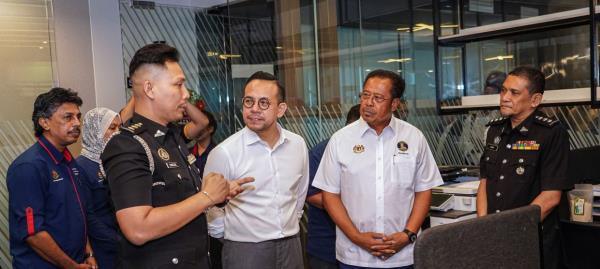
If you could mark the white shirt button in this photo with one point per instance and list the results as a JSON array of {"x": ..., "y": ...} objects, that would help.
[{"x": 175, "y": 261}]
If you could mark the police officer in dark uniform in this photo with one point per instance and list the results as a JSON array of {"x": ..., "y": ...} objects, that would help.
[
  {"x": 47, "y": 209},
  {"x": 525, "y": 158},
  {"x": 155, "y": 187}
]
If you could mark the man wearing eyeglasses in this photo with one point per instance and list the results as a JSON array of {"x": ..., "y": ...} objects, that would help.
[
  {"x": 260, "y": 227},
  {"x": 376, "y": 176}
]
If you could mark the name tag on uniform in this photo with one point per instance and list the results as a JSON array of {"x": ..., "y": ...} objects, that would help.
[
  {"x": 493, "y": 147},
  {"x": 172, "y": 165},
  {"x": 191, "y": 159}
]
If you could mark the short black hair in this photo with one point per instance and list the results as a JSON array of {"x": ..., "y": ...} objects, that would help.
[
  {"x": 157, "y": 54},
  {"x": 47, "y": 103},
  {"x": 397, "y": 81},
  {"x": 535, "y": 77},
  {"x": 211, "y": 121},
  {"x": 353, "y": 114},
  {"x": 269, "y": 77}
]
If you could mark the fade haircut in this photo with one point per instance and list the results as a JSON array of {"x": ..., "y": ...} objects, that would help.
[
  {"x": 397, "y": 81},
  {"x": 154, "y": 54},
  {"x": 535, "y": 78},
  {"x": 47, "y": 103},
  {"x": 261, "y": 75}
]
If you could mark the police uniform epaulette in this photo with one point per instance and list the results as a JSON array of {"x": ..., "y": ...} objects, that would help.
[
  {"x": 545, "y": 121},
  {"x": 135, "y": 128},
  {"x": 496, "y": 121}
]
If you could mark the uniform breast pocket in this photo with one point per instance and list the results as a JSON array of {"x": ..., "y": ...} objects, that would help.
[
  {"x": 403, "y": 170},
  {"x": 523, "y": 168}
]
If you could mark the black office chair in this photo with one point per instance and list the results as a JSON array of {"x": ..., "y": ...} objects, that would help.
[{"x": 508, "y": 239}]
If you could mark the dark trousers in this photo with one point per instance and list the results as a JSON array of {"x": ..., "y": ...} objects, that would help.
[
  {"x": 316, "y": 263},
  {"x": 215, "y": 253}
]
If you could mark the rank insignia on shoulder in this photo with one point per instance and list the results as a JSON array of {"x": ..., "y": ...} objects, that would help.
[
  {"x": 546, "y": 121},
  {"x": 496, "y": 121},
  {"x": 135, "y": 128}
]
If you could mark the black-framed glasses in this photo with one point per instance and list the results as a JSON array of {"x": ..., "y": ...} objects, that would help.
[
  {"x": 366, "y": 96},
  {"x": 263, "y": 102}
]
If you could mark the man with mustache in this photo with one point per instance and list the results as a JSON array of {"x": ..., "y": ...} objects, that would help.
[
  {"x": 525, "y": 158},
  {"x": 261, "y": 225},
  {"x": 155, "y": 187},
  {"x": 376, "y": 176},
  {"x": 46, "y": 208}
]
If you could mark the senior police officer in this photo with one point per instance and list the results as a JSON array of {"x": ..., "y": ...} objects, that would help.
[
  {"x": 156, "y": 189},
  {"x": 47, "y": 213},
  {"x": 525, "y": 158}
]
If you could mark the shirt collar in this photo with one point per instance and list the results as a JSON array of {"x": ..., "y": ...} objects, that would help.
[
  {"x": 523, "y": 127},
  {"x": 53, "y": 152},
  {"x": 251, "y": 137},
  {"x": 157, "y": 130},
  {"x": 363, "y": 126}
]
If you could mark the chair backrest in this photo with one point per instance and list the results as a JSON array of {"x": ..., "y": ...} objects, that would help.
[{"x": 508, "y": 239}]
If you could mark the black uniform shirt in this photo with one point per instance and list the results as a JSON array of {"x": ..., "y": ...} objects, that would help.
[
  {"x": 520, "y": 162},
  {"x": 175, "y": 178}
]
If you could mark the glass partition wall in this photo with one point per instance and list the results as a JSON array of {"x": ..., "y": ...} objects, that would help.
[{"x": 26, "y": 44}]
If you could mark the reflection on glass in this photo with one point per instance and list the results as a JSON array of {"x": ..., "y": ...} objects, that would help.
[
  {"x": 483, "y": 12},
  {"x": 562, "y": 55},
  {"x": 452, "y": 77},
  {"x": 25, "y": 51},
  {"x": 448, "y": 17},
  {"x": 25, "y": 72}
]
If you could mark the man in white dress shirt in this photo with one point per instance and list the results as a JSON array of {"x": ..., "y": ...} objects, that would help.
[
  {"x": 376, "y": 176},
  {"x": 261, "y": 226}
]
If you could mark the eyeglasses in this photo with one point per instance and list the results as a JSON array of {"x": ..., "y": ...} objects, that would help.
[
  {"x": 263, "y": 102},
  {"x": 366, "y": 96}
]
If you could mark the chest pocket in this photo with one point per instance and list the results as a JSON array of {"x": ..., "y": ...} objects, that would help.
[
  {"x": 403, "y": 171},
  {"x": 489, "y": 162},
  {"x": 523, "y": 167}
]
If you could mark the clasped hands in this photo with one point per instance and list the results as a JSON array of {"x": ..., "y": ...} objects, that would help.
[{"x": 380, "y": 245}]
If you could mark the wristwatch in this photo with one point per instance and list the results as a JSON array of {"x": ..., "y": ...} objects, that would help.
[{"x": 412, "y": 237}]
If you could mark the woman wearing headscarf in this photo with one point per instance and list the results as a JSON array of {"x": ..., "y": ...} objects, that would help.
[{"x": 98, "y": 126}]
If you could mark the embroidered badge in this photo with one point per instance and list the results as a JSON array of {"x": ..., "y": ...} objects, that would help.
[
  {"x": 520, "y": 170},
  {"x": 163, "y": 154},
  {"x": 526, "y": 145},
  {"x": 358, "y": 149},
  {"x": 54, "y": 175},
  {"x": 402, "y": 146},
  {"x": 497, "y": 140}
]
